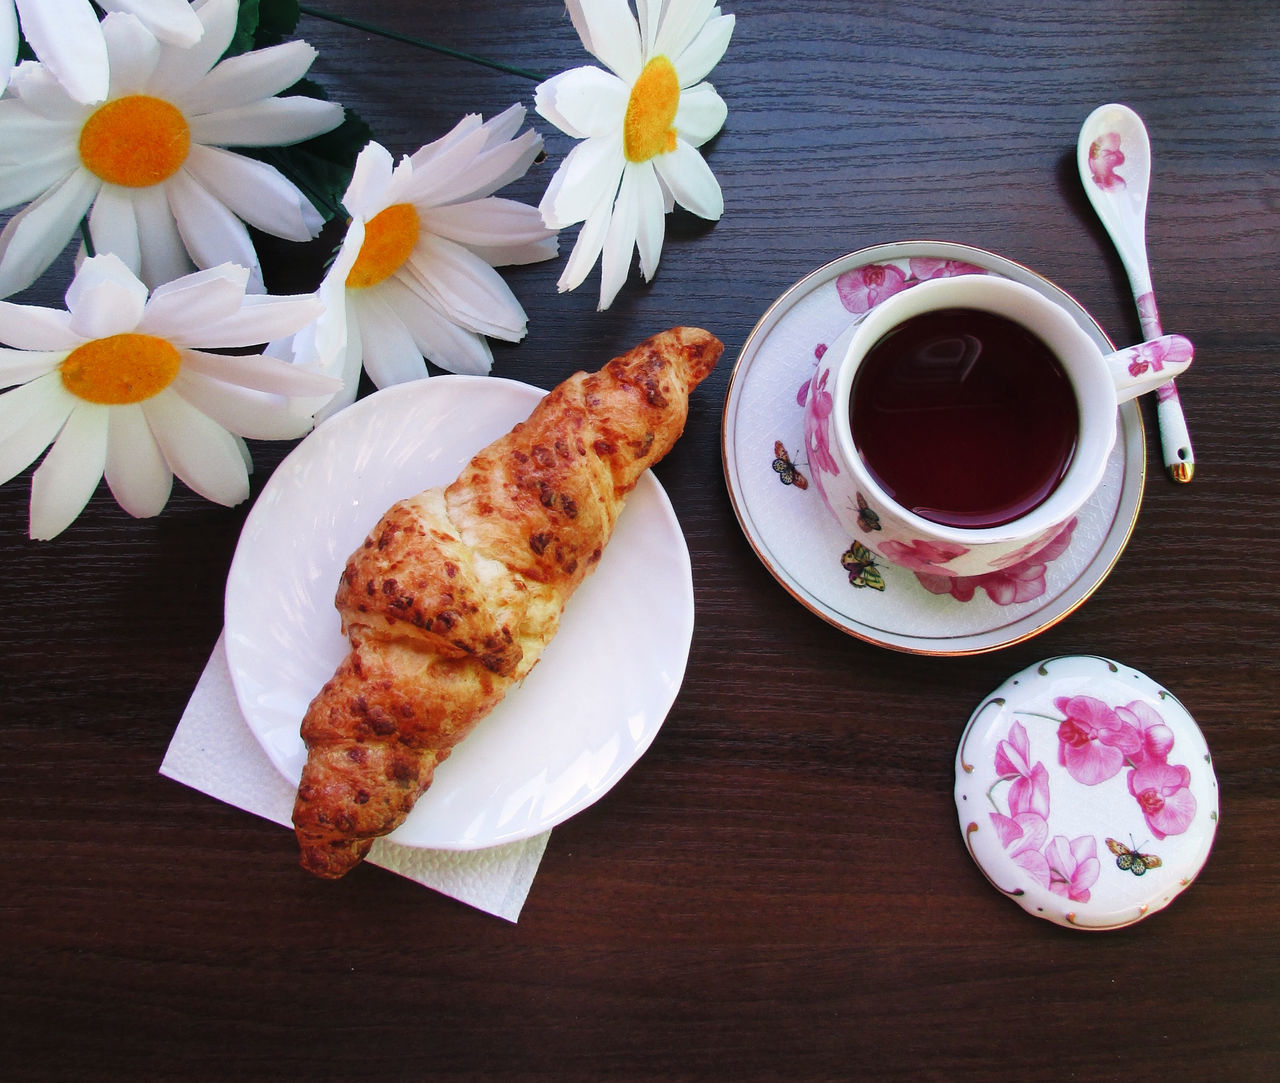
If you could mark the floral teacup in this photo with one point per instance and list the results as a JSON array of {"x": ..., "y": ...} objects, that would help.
[{"x": 902, "y": 534}]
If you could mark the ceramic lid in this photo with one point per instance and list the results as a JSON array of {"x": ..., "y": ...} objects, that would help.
[{"x": 1086, "y": 792}]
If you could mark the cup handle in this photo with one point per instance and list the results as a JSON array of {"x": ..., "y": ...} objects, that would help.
[{"x": 1142, "y": 368}]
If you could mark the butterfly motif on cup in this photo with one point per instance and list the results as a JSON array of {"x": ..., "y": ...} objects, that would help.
[
  {"x": 1129, "y": 860},
  {"x": 867, "y": 519},
  {"x": 861, "y": 565},
  {"x": 786, "y": 470}
]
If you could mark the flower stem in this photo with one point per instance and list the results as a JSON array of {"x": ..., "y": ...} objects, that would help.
[
  {"x": 358, "y": 24},
  {"x": 89, "y": 250}
]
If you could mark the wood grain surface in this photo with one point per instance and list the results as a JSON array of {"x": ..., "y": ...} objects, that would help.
[{"x": 778, "y": 889}]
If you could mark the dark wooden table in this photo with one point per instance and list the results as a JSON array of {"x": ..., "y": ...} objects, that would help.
[{"x": 778, "y": 888}]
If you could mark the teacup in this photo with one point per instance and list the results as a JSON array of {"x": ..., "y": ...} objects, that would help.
[{"x": 968, "y": 420}]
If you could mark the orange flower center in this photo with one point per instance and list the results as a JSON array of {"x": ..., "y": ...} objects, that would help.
[
  {"x": 135, "y": 141},
  {"x": 120, "y": 369},
  {"x": 648, "y": 130},
  {"x": 389, "y": 237}
]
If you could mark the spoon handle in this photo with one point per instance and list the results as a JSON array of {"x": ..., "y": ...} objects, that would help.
[{"x": 1175, "y": 440}]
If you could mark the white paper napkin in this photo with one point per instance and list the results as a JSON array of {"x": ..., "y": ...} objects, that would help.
[{"x": 213, "y": 751}]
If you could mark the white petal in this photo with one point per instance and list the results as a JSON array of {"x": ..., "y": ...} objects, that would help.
[
  {"x": 691, "y": 181},
  {"x": 700, "y": 115},
  {"x": 35, "y": 236},
  {"x": 27, "y": 134},
  {"x": 67, "y": 38},
  {"x": 612, "y": 37},
  {"x": 198, "y": 450},
  {"x": 471, "y": 292},
  {"x": 260, "y": 373},
  {"x": 133, "y": 53},
  {"x": 446, "y": 178},
  {"x": 105, "y": 298},
  {"x": 249, "y": 77},
  {"x": 211, "y": 233},
  {"x": 136, "y": 472},
  {"x": 681, "y": 23},
  {"x": 651, "y": 219},
  {"x": 255, "y": 192},
  {"x": 331, "y": 330},
  {"x": 252, "y": 414},
  {"x": 29, "y": 327},
  {"x": 493, "y": 168},
  {"x": 25, "y": 180},
  {"x": 649, "y": 15},
  {"x": 390, "y": 354},
  {"x": 462, "y": 131},
  {"x": 163, "y": 255},
  {"x": 64, "y": 482},
  {"x": 620, "y": 240},
  {"x": 170, "y": 20},
  {"x": 114, "y": 226},
  {"x": 259, "y": 319},
  {"x": 488, "y": 223},
  {"x": 349, "y": 362},
  {"x": 590, "y": 172},
  {"x": 180, "y": 68},
  {"x": 583, "y": 102},
  {"x": 274, "y": 122},
  {"x": 440, "y": 339},
  {"x": 36, "y": 87},
  {"x": 30, "y": 417},
  {"x": 586, "y": 250},
  {"x": 366, "y": 193},
  {"x": 22, "y": 366},
  {"x": 8, "y": 41},
  {"x": 179, "y": 309},
  {"x": 706, "y": 51}
]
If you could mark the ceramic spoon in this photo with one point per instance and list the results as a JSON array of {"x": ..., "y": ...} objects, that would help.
[{"x": 1114, "y": 156}]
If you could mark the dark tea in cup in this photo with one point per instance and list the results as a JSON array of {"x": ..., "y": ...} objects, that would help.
[{"x": 964, "y": 417}]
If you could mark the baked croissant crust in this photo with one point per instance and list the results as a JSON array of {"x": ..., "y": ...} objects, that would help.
[{"x": 455, "y": 592}]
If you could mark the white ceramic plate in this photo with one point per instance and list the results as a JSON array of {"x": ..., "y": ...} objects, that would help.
[
  {"x": 799, "y": 541},
  {"x": 583, "y": 716}
]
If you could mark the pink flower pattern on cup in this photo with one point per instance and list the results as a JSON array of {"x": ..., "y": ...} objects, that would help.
[
  {"x": 920, "y": 555},
  {"x": 1021, "y": 582},
  {"x": 816, "y": 438}
]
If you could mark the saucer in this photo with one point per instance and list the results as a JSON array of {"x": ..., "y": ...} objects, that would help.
[{"x": 792, "y": 532}]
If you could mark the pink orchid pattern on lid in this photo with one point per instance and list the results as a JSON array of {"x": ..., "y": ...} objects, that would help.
[
  {"x": 1096, "y": 742},
  {"x": 1086, "y": 792},
  {"x": 1067, "y": 867}
]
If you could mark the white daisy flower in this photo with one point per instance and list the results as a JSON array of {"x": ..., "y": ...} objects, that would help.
[
  {"x": 149, "y": 160},
  {"x": 641, "y": 122},
  {"x": 415, "y": 275},
  {"x": 67, "y": 38},
  {"x": 123, "y": 386}
]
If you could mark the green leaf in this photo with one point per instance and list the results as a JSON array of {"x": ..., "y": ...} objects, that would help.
[
  {"x": 246, "y": 27},
  {"x": 261, "y": 23},
  {"x": 277, "y": 19}
]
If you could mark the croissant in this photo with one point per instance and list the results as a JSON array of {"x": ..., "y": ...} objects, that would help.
[{"x": 456, "y": 591}]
